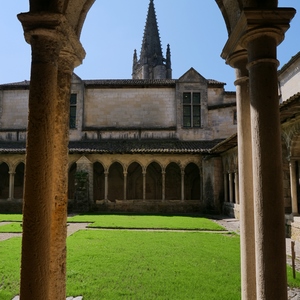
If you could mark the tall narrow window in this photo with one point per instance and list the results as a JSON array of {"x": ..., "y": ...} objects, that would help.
[
  {"x": 191, "y": 110},
  {"x": 73, "y": 104}
]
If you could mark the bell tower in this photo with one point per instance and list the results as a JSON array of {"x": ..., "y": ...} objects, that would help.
[{"x": 152, "y": 64}]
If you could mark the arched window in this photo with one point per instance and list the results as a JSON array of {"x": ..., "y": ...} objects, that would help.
[
  {"x": 115, "y": 182},
  {"x": 99, "y": 181},
  {"x": 134, "y": 181},
  {"x": 4, "y": 181},
  {"x": 173, "y": 182},
  {"x": 192, "y": 182},
  {"x": 154, "y": 181},
  {"x": 19, "y": 181}
]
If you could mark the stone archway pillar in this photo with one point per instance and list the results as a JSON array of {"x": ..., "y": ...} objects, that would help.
[
  {"x": 144, "y": 185},
  {"x": 106, "y": 185},
  {"x": 259, "y": 32},
  {"x": 225, "y": 187},
  {"x": 236, "y": 187},
  {"x": 239, "y": 60},
  {"x": 11, "y": 185},
  {"x": 125, "y": 185},
  {"x": 267, "y": 165},
  {"x": 182, "y": 185},
  {"x": 231, "y": 187},
  {"x": 293, "y": 181},
  {"x": 45, "y": 195},
  {"x": 163, "y": 176}
]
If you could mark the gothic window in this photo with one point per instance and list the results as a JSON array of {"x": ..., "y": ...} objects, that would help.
[
  {"x": 73, "y": 104},
  {"x": 191, "y": 110}
]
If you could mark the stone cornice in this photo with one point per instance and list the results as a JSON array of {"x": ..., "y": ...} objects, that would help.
[{"x": 256, "y": 21}]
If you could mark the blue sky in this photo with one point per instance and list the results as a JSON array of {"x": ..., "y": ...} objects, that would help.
[{"x": 194, "y": 29}]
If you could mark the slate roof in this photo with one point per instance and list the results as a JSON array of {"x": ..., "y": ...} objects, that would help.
[{"x": 125, "y": 147}]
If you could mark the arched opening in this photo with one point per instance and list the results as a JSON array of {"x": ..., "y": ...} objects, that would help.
[
  {"x": 71, "y": 181},
  {"x": 99, "y": 181},
  {"x": 192, "y": 182},
  {"x": 134, "y": 181},
  {"x": 173, "y": 182},
  {"x": 19, "y": 181},
  {"x": 4, "y": 181},
  {"x": 154, "y": 181},
  {"x": 115, "y": 182}
]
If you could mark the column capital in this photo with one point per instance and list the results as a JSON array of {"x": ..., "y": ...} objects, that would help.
[
  {"x": 56, "y": 27},
  {"x": 258, "y": 22}
]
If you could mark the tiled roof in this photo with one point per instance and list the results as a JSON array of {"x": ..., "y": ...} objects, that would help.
[
  {"x": 225, "y": 145},
  {"x": 142, "y": 146},
  {"x": 125, "y": 146},
  {"x": 290, "y": 108},
  {"x": 129, "y": 82}
]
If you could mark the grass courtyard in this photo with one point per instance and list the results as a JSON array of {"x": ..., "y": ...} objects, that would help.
[{"x": 200, "y": 263}]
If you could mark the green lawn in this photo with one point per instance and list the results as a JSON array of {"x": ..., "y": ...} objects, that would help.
[
  {"x": 10, "y": 217},
  {"x": 14, "y": 227},
  {"x": 122, "y": 264},
  {"x": 147, "y": 221}
]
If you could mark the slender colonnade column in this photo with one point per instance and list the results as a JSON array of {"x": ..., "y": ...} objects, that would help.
[
  {"x": 11, "y": 185},
  {"x": 239, "y": 61},
  {"x": 293, "y": 181}
]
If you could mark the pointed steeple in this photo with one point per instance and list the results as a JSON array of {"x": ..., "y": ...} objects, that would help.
[
  {"x": 151, "y": 46},
  {"x": 152, "y": 64}
]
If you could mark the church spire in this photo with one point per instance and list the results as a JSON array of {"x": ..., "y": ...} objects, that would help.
[{"x": 152, "y": 64}]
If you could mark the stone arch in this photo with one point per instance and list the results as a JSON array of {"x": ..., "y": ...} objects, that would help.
[
  {"x": 98, "y": 181},
  {"x": 135, "y": 181},
  {"x": 19, "y": 181},
  {"x": 154, "y": 181},
  {"x": 192, "y": 182},
  {"x": 4, "y": 181},
  {"x": 116, "y": 181},
  {"x": 173, "y": 182}
]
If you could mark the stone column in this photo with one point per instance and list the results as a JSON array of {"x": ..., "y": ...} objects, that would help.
[
  {"x": 163, "y": 175},
  {"x": 293, "y": 181},
  {"x": 182, "y": 185},
  {"x": 261, "y": 44},
  {"x": 239, "y": 60},
  {"x": 60, "y": 177},
  {"x": 144, "y": 185},
  {"x": 236, "y": 187},
  {"x": 259, "y": 32},
  {"x": 106, "y": 185},
  {"x": 225, "y": 187},
  {"x": 39, "y": 172},
  {"x": 11, "y": 185},
  {"x": 230, "y": 187},
  {"x": 125, "y": 185}
]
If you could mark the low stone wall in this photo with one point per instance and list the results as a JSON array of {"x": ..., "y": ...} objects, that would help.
[
  {"x": 150, "y": 206},
  {"x": 13, "y": 206}
]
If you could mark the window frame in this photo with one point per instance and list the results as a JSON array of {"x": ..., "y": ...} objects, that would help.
[
  {"x": 73, "y": 117},
  {"x": 191, "y": 110}
]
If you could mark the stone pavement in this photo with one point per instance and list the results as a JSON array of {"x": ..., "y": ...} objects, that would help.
[{"x": 234, "y": 225}]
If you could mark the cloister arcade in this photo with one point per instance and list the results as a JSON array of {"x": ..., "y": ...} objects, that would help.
[{"x": 255, "y": 28}]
